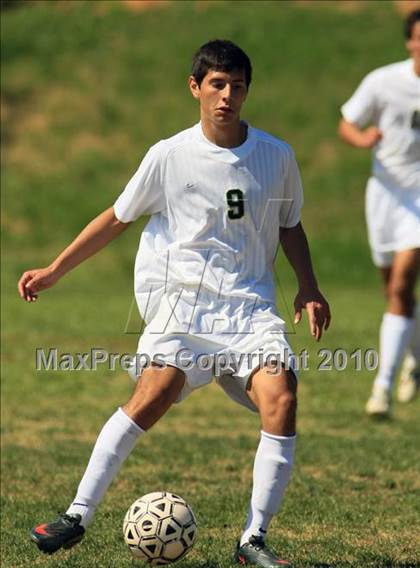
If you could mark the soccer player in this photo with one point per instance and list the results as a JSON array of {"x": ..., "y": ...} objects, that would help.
[
  {"x": 221, "y": 196},
  {"x": 388, "y": 102}
]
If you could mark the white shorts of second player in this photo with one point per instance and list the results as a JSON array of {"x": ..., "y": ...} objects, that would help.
[
  {"x": 210, "y": 337},
  {"x": 393, "y": 220}
]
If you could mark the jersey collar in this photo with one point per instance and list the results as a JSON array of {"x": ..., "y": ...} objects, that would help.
[
  {"x": 229, "y": 155},
  {"x": 410, "y": 70}
]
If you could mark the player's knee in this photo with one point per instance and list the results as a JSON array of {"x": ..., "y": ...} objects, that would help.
[
  {"x": 155, "y": 399},
  {"x": 281, "y": 405},
  {"x": 147, "y": 405},
  {"x": 288, "y": 401}
]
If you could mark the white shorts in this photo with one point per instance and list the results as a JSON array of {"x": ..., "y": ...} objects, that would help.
[
  {"x": 393, "y": 220},
  {"x": 210, "y": 337}
]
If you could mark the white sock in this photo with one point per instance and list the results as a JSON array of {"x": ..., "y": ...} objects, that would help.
[
  {"x": 395, "y": 335},
  {"x": 272, "y": 469},
  {"x": 414, "y": 346},
  {"x": 115, "y": 442}
]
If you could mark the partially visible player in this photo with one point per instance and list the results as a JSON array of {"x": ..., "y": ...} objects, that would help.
[
  {"x": 388, "y": 103},
  {"x": 222, "y": 195}
]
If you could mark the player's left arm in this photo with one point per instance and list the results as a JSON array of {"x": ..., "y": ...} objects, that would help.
[{"x": 295, "y": 246}]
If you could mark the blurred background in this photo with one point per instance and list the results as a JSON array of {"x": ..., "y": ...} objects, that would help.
[{"x": 87, "y": 87}]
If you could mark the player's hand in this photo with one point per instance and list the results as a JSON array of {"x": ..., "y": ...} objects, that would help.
[
  {"x": 317, "y": 308},
  {"x": 370, "y": 137},
  {"x": 33, "y": 281}
]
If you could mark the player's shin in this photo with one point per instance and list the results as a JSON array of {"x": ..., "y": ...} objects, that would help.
[
  {"x": 115, "y": 442},
  {"x": 395, "y": 336},
  {"x": 272, "y": 469},
  {"x": 414, "y": 347}
]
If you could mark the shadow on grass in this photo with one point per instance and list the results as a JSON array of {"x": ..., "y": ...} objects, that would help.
[
  {"x": 199, "y": 564},
  {"x": 374, "y": 564},
  {"x": 378, "y": 564},
  {"x": 381, "y": 419}
]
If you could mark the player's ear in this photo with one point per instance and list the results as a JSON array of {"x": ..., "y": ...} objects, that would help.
[{"x": 194, "y": 87}]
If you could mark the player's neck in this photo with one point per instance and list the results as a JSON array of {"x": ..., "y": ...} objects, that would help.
[
  {"x": 417, "y": 67},
  {"x": 228, "y": 136}
]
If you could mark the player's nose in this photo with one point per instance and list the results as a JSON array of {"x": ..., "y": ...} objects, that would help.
[{"x": 227, "y": 92}]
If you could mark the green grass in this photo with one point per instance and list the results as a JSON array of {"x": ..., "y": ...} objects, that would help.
[{"x": 87, "y": 87}]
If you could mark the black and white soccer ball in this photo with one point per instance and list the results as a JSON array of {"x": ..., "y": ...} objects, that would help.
[{"x": 160, "y": 528}]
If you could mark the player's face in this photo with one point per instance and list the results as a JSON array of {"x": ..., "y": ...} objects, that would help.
[
  {"x": 413, "y": 44},
  {"x": 221, "y": 96}
]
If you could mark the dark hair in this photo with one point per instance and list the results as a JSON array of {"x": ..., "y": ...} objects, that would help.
[
  {"x": 220, "y": 55},
  {"x": 409, "y": 22}
]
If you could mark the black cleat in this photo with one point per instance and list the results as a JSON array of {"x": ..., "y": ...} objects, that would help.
[
  {"x": 256, "y": 553},
  {"x": 64, "y": 532}
]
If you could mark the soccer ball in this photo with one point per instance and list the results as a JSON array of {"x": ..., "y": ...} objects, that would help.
[{"x": 159, "y": 528}]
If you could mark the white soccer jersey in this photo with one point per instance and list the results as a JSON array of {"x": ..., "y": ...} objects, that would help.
[
  {"x": 215, "y": 215},
  {"x": 389, "y": 97}
]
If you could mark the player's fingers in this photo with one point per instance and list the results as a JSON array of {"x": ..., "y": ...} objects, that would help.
[
  {"x": 298, "y": 315},
  {"x": 36, "y": 284},
  {"x": 21, "y": 289},
  {"x": 22, "y": 282},
  {"x": 28, "y": 295},
  {"x": 320, "y": 322},
  {"x": 30, "y": 286},
  {"x": 327, "y": 320},
  {"x": 311, "y": 319},
  {"x": 318, "y": 332}
]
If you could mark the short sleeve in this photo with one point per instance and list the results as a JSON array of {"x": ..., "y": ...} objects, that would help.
[
  {"x": 292, "y": 198},
  {"x": 361, "y": 108},
  {"x": 144, "y": 193}
]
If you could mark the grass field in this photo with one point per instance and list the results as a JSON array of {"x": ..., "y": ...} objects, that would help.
[{"x": 87, "y": 87}]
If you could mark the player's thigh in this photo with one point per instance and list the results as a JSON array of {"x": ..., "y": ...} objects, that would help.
[
  {"x": 156, "y": 390},
  {"x": 404, "y": 272},
  {"x": 385, "y": 272}
]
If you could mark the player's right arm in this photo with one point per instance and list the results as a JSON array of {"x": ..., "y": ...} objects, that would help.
[
  {"x": 357, "y": 137},
  {"x": 95, "y": 236},
  {"x": 358, "y": 125},
  {"x": 143, "y": 195}
]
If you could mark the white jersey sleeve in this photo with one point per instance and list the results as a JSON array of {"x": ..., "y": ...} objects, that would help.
[
  {"x": 292, "y": 195},
  {"x": 362, "y": 107},
  {"x": 144, "y": 194}
]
